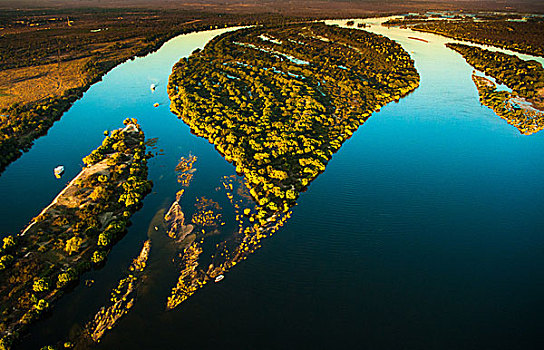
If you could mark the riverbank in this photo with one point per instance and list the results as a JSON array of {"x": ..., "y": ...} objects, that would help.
[
  {"x": 52, "y": 59},
  {"x": 74, "y": 233},
  {"x": 522, "y": 37},
  {"x": 522, "y": 106},
  {"x": 514, "y": 109}
]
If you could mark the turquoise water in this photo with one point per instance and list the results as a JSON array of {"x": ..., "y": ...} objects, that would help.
[{"x": 425, "y": 230}]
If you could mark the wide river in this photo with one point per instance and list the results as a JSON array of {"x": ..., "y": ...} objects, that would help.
[{"x": 424, "y": 232}]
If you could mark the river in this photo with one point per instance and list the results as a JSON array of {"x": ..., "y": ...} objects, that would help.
[{"x": 425, "y": 230}]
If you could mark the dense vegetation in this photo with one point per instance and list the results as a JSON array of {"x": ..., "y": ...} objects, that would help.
[
  {"x": 43, "y": 36},
  {"x": 525, "y": 78},
  {"x": 279, "y": 101},
  {"x": 73, "y": 234},
  {"x": 523, "y": 106},
  {"x": 524, "y": 37},
  {"x": 103, "y": 38},
  {"x": 526, "y": 120}
]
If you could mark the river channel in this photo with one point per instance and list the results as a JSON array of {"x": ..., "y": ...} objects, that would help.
[{"x": 424, "y": 231}]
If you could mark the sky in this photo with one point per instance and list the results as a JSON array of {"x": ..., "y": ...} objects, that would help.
[{"x": 290, "y": 6}]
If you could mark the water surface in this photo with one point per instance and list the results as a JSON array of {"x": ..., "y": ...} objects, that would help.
[{"x": 425, "y": 230}]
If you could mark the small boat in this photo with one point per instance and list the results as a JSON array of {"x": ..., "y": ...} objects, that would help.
[
  {"x": 219, "y": 278},
  {"x": 153, "y": 86},
  {"x": 418, "y": 39},
  {"x": 59, "y": 170},
  {"x": 156, "y": 104}
]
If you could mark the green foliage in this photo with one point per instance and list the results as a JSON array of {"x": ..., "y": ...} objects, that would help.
[
  {"x": 279, "y": 108},
  {"x": 47, "y": 347},
  {"x": 104, "y": 239},
  {"x": 65, "y": 278},
  {"x": 5, "y": 343},
  {"x": 93, "y": 158},
  {"x": 73, "y": 245},
  {"x": 5, "y": 261},
  {"x": 525, "y": 37},
  {"x": 99, "y": 193},
  {"x": 527, "y": 121},
  {"x": 524, "y": 77},
  {"x": 8, "y": 242},
  {"x": 41, "y": 305},
  {"x": 41, "y": 285},
  {"x": 135, "y": 190},
  {"x": 98, "y": 256}
]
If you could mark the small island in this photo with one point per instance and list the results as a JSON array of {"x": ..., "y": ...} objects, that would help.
[
  {"x": 75, "y": 232},
  {"x": 523, "y": 105},
  {"x": 524, "y": 35}
]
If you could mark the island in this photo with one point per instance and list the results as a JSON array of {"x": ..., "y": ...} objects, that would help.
[
  {"x": 74, "y": 233},
  {"x": 524, "y": 36},
  {"x": 522, "y": 103},
  {"x": 277, "y": 102}
]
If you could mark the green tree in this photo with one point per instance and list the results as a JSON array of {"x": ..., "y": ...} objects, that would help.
[
  {"x": 40, "y": 285},
  {"x": 73, "y": 245}
]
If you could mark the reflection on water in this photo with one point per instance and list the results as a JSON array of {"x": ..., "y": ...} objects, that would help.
[
  {"x": 235, "y": 243},
  {"x": 423, "y": 232}
]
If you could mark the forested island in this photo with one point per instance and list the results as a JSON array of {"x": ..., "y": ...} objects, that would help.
[
  {"x": 523, "y": 36},
  {"x": 74, "y": 233},
  {"x": 524, "y": 105},
  {"x": 277, "y": 102}
]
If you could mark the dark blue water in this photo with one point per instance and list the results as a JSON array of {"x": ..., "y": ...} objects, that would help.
[{"x": 425, "y": 230}]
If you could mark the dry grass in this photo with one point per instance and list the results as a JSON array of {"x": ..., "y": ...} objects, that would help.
[
  {"x": 30, "y": 85},
  {"x": 33, "y": 84}
]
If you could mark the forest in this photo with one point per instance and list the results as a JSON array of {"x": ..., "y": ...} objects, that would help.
[
  {"x": 523, "y": 106},
  {"x": 527, "y": 120},
  {"x": 279, "y": 101},
  {"x": 75, "y": 233},
  {"x": 525, "y": 37},
  {"x": 525, "y": 78}
]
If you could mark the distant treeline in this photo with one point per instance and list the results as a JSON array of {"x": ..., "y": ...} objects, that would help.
[
  {"x": 525, "y": 78},
  {"x": 525, "y": 37},
  {"x": 36, "y": 37}
]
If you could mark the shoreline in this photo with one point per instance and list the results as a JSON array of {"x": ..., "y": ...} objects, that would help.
[{"x": 75, "y": 232}]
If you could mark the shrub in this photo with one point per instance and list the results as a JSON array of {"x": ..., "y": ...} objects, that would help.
[{"x": 40, "y": 285}]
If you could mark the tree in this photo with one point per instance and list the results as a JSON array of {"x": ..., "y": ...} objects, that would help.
[
  {"x": 73, "y": 245},
  {"x": 40, "y": 285},
  {"x": 8, "y": 242},
  {"x": 66, "y": 278},
  {"x": 98, "y": 256}
]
